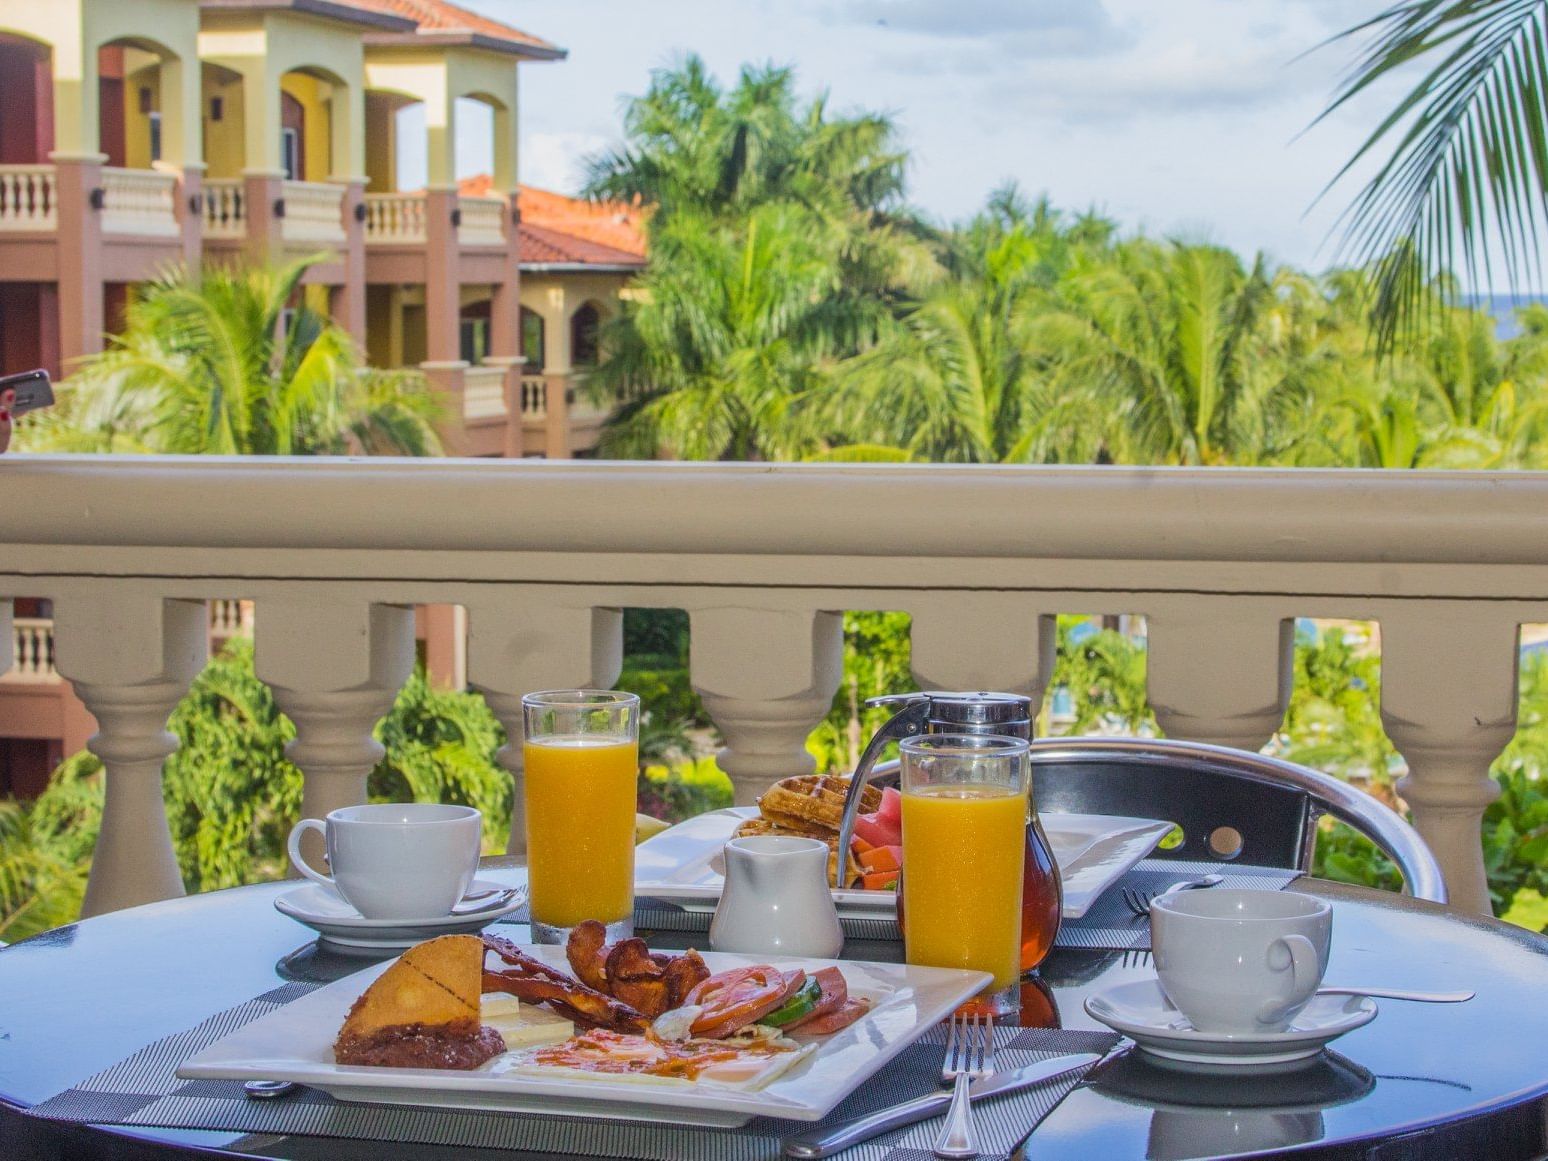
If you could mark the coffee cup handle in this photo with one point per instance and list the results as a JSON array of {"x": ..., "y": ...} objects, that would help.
[
  {"x": 294, "y": 847},
  {"x": 1305, "y": 975}
]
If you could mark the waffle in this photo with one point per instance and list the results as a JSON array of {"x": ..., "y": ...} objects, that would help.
[
  {"x": 813, "y": 801},
  {"x": 766, "y": 826}
]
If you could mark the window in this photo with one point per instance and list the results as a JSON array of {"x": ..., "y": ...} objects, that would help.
[
  {"x": 155, "y": 136},
  {"x": 475, "y": 340},
  {"x": 584, "y": 324},
  {"x": 532, "y": 339},
  {"x": 290, "y": 153}
]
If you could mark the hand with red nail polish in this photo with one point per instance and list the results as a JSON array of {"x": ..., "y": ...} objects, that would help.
[{"x": 7, "y": 399}]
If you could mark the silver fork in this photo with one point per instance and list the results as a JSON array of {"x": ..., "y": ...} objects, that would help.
[
  {"x": 1139, "y": 902},
  {"x": 969, "y": 1055}
]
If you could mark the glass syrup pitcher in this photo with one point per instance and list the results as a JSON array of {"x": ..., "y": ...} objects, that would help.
[{"x": 1007, "y": 714}]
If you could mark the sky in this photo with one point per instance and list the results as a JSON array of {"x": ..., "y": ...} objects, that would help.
[{"x": 1185, "y": 118}]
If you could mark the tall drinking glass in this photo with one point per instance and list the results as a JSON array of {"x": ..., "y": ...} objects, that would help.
[
  {"x": 964, "y": 828},
  {"x": 582, "y": 764}
]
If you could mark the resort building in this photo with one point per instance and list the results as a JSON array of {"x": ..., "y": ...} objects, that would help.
[{"x": 139, "y": 134}]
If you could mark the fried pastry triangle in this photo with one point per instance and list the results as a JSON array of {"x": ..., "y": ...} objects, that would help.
[{"x": 434, "y": 984}]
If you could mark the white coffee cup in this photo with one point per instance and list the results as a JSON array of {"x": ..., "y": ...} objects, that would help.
[
  {"x": 396, "y": 860},
  {"x": 1240, "y": 961}
]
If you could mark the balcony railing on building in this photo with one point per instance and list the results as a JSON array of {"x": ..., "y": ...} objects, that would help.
[
  {"x": 29, "y": 199},
  {"x": 225, "y": 210},
  {"x": 313, "y": 212},
  {"x": 398, "y": 219},
  {"x": 483, "y": 393},
  {"x": 32, "y": 651},
  {"x": 139, "y": 201}
]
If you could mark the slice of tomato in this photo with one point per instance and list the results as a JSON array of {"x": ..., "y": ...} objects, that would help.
[
  {"x": 833, "y": 1021},
  {"x": 739, "y": 997},
  {"x": 835, "y": 993}
]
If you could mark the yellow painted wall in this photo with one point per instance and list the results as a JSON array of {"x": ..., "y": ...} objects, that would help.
[
  {"x": 557, "y": 296},
  {"x": 141, "y": 71},
  {"x": 381, "y": 155},
  {"x": 223, "y": 139},
  {"x": 316, "y": 97},
  {"x": 438, "y": 77}
]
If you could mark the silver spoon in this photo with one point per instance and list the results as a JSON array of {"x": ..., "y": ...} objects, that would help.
[{"x": 1273, "y": 1012}]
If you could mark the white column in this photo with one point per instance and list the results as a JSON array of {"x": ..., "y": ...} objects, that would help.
[
  {"x": 767, "y": 677},
  {"x": 335, "y": 667},
  {"x": 1448, "y": 701},
  {"x": 131, "y": 658},
  {"x": 1219, "y": 675},
  {"x": 516, "y": 646}
]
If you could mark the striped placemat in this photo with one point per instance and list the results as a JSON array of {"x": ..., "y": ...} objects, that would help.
[{"x": 143, "y": 1090}]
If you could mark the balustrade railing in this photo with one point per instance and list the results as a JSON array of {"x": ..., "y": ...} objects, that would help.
[
  {"x": 765, "y": 558},
  {"x": 483, "y": 393},
  {"x": 32, "y": 651},
  {"x": 394, "y": 218},
  {"x": 230, "y": 618},
  {"x": 225, "y": 208},
  {"x": 314, "y": 212},
  {"x": 483, "y": 221},
  {"x": 534, "y": 397},
  {"x": 29, "y": 198},
  {"x": 139, "y": 201}
]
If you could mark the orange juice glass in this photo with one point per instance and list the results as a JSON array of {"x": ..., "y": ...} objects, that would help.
[
  {"x": 581, "y": 761},
  {"x": 964, "y": 828}
]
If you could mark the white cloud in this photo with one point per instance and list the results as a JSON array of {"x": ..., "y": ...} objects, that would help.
[
  {"x": 556, "y": 161},
  {"x": 1038, "y": 27}
]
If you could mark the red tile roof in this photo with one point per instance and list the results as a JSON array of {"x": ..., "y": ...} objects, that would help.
[
  {"x": 541, "y": 246},
  {"x": 561, "y": 230},
  {"x": 440, "y": 16}
]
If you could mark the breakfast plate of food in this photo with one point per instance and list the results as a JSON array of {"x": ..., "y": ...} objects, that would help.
[
  {"x": 595, "y": 1029},
  {"x": 684, "y": 863}
]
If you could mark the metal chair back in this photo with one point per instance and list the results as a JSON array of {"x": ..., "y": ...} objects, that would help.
[{"x": 1231, "y": 805}]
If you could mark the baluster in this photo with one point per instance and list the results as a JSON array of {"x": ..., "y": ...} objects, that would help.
[
  {"x": 7, "y": 627},
  {"x": 982, "y": 641},
  {"x": 335, "y": 667},
  {"x": 1218, "y": 674},
  {"x": 131, "y": 657},
  {"x": 517, "y": 646},
  {"x": 1448, "y": 701},
  {"x": 767, "y": 676}
]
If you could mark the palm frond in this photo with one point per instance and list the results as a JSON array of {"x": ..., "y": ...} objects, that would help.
[{"x": 1468, "y": 170}]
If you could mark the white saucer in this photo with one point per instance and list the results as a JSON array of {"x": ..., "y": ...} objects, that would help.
[
  {"x": 340, "y": 926},
  {"x": 1142, "y": 1012}
]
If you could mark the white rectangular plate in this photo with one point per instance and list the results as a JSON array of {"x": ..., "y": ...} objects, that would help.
[
  {"x": 295, "y": 1043},
  {"x": 683, "y": 863}
]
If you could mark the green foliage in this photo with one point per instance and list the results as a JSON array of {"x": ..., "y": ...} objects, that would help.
[
  {"x": 1347, "y": 856},
  {"x": 685, "y": 788},
  {"x": 876, "y": 662},
  {"x": 45, "y": 849},
  {"x": 205, "y": 366},
  {"x": 1104, "y": 674}
]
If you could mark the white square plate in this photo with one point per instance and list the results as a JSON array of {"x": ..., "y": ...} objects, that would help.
[
  {"x": 295, "y": 1043},
  {"x": 683, "y": 863}
]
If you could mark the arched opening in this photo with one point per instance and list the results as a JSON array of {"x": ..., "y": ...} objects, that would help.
[
  {"x": 585, "y": 336},
  {"x": 473, "y": 332},
  {"x": 129, "y": 102},
  {"x": 532, "y": 340},
  {"x": 27, "y": 96},
  {"x": 310, "y": 102}
]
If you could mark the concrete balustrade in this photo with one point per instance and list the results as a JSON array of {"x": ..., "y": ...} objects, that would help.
[
  {"x": 225, "y": 211},
  {"x": 395, "y": 218},
  {"x": 314, "y": 211},
  {"x": 483, "y": 393},
  {"x": 32, "y": 650},
  {"x": 29, "y": 198},
  {"x": 139, "y": 201},
  {"x": 482, "y": 221},
  {"x": 765, "y": 558}
]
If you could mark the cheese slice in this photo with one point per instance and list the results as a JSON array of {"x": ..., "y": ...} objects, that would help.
[
  {"x": 523, "y": 1025},
  {"x": 435, "y": 984}
]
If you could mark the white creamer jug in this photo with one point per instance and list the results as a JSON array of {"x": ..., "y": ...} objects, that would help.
[{"x": 776, "y": 900}]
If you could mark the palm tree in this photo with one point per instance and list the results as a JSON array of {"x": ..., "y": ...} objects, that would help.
[
  {"x": 1198, "y": 359},
  {"x": 224, "y": 365},
  {"x": 958, "y": 377},
  {"x": 1468, "y": 167},
  {"x": 730, "y": 325}
]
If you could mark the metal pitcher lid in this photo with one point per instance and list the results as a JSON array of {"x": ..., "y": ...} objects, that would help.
[{"x": 978, "y": 708}]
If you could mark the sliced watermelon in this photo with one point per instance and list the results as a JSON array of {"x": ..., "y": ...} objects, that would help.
[
  {"x": 878, "y": 832},
  {"x": 891, "y": 809}
]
